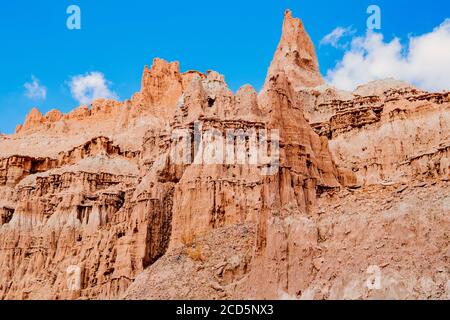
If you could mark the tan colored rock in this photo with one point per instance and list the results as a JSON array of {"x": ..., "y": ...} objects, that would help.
[
  {"x": 106, "y": 202},
  {"x": 387, "y": 132},
  {"x": 247, "y": 103},
  {"x": 33, "y": 120},
  {"x": 295, "y": 55},
  {"x": 53, "y": 116},
  {"x": 79, "y": 113},
  {"x": 162, "y": 86}
]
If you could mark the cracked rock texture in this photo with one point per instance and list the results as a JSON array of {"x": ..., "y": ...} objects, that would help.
[{"x": 94, "y": 204}]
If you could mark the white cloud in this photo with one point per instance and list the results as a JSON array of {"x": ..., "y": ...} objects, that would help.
[
  {"x": 425, "y": 62},
  {"x": 336, "y": 35},
  {"x": 91, "y": 86},
  {"x": 34, "y": 90}
]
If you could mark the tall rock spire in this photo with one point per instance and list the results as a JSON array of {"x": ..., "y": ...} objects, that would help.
[{"x": 295, "y": 55}]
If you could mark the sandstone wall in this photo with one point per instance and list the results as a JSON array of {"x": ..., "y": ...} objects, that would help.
[{"x": 139, "y": 199}]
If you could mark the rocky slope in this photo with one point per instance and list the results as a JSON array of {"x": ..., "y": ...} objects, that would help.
[{"x": 188, "y": 190}]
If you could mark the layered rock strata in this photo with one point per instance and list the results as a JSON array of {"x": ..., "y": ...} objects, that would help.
[{"x": 188, "y": 190}]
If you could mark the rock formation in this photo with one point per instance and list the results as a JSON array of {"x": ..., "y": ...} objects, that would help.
[{"x": 188, "y": 190}]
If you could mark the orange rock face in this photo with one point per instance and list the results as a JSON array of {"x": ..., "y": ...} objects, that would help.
[
  {"x": 190, "y": 191},
  {"x": 295, "y": 55},
  {"x": 162, "y": 86}
]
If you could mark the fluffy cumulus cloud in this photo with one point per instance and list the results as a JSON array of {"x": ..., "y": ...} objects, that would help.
[
  {"x": 34, "y": 90},
  {"x": 424, "y": 62},
  {"x": 86, "y": 88},
  {"x": 335, "y": 36}
]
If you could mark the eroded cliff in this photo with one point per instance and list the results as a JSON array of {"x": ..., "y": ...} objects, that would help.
[{"x": 188, "y": 190}]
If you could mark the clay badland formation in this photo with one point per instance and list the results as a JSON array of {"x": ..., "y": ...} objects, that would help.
[{"x": 92, "y": 205}]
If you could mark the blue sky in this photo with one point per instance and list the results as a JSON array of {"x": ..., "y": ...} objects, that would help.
[{"x": 117, "y": 38}]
